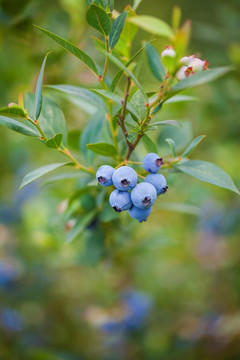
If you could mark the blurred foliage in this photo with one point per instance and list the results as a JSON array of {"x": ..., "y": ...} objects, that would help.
[{"x": 54, "y": 304}]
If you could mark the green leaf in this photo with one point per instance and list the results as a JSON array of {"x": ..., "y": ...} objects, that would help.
[
  {"x": 209, "y": 173},
  {"x": 34, "y": 175},
  {"x": 111, "y": 5},
  {"x": 125, "y": 69},
  {"x": 180, "y": 207},
  {"x": 100, "y": 3},
  {"x": 74, "y": 50},
  {"x": 166, "y": 122},
  {"x": 80, "y": 226},
  {"x": 155, "y": 62},
  {"x": 13, "y": 110},
  {"x": 193, "y": 145},
  {"x": 182, "y": 135},
  {"x": 38, "y": 91},
  {"x": 55, "y": 141},
  {"x": 172, "y": 145},
  {"x": 149, "y": 144},
  {"x": 200, "y": 78},
  {"x": 121, "y": 72},
  {"x": 103, "y": 149},
  {"x": 99, "y": 19},
  {"x": 138, "y": 102},
  {"x": 136, "y": 4},
  {"x": 152, "y": 25},
  {"x": 17, "y": 126},
  {"x": 117, "y": 29},
  {"x": 117, "y": 99},
  {"x": 83, "y": 94},
  {"x": 51, "y": 120},
  {"x": 180, "y": 98},
  {"x": 91, "y": 134},
  {"x": 63, "y": 177},
  {"x": 129, "y": 32}
]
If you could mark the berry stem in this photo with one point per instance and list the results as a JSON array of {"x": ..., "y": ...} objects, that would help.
[
  {"x": 122, "y": 115},
  {"x": 148, "y": 118},
  {"x": 63, "y": 150},
  {"x": 106, "y": 61}
]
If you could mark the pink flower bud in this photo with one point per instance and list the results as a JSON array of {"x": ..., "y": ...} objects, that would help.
[
  {"x": 186, "y": 60},
  {"x": 196, "y": 64},
  {"x": 169, "y": 51}
]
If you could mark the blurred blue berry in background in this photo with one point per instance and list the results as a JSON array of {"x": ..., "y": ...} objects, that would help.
[{"x": 10, "y": 320}]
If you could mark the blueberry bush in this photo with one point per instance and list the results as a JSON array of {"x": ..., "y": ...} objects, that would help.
[{"x": 122, "y": 116}]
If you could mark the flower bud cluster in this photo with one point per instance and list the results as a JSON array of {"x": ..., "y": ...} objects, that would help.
[{"x": 189, "y": 64}]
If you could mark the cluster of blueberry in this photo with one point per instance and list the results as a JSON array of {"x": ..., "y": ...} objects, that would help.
[{"x": 139, "y": 201}]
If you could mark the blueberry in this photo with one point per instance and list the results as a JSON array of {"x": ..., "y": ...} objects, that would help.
[
  {"x": 124, "y": 178},
  {"x": 158, "y": 181},
  {"x": 152, "y": 163},
  {"x": 140, "y": 214},
  {"x": 120, "y": 200},
  {"x": 144, "y": 195},
  {"x": 104, "y": 175}
]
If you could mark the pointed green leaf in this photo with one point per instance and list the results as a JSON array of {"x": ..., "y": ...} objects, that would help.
[
  {"x": 13, "y": 110},
  {"x": 103, "y": 149},
  {"x": 209, "y": 173},
  {"x": 166, "y": 122},
  {"x": 17, "y": 126},
  {"x": 136, "y": 4},
  {"x": 111, "y": 5},
  {"x": 182, "y": 135},
  {"x": 80, "y": 226},
  {"x": 55, "y": 141},
  {"x": 117, "y": 29},
  {"x": 155, "y": 62},
  {"x": 34, "y": 175},
  {"x": 121, "y": 72},
  {"x": 180, "y": 207},
  {"x": 138, "y": 102},
  {"x": 152, "y": 25},
  {"x": 91, "y": 134},
  {"x": 180, "y": 98},
  {"x": 51, "y": 120},
  {"x": 63, "y": 177},
  {"x": 38, "y": 91},
  {"x": 128, "y": 34},
  {"x": 117, "y": 99},
  {"x": 125, "y": 69},
  {"x": 193, "y": 145},
  {"x": 74, "y": 50},
  {"x": 149, "y": 144},
  {"x": 172, "y": 145},
  {"x": 99, "y": 19},
  {"x": 200, "y": 78},
  {"x": 83, "y": 94}
]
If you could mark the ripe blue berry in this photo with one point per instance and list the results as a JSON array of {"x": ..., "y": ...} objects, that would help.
[
  {"x": 158, "y": 181},
  {"x": 143, "y": 195},
  {"x": 140, "y": 214},
  {"x": 124, "y": 178},
  {"x": 120, "y": 200},
  {"x": 104, "y": 175},
  {"x": 152, "y": 163}
]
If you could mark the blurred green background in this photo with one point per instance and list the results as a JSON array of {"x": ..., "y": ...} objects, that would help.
[{"x": 170, "y": 289}]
